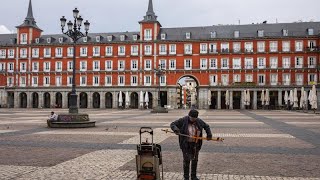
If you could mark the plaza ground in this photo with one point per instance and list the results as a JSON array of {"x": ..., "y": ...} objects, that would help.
[{"x": 258, "y": 145}]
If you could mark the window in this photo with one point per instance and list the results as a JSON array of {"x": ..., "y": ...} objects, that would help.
[
  {"x": 46, "y": 66},
  {"x": 70, "y": 65},
  {"x": 261, "y": 63},
  {"x": 260, "y": 33},
  {"x": 273, "y": 62},
  {"x": 213, "y": 34},
  {"x": 109, "y": 51},
  {"x": 96, "y": 66},
  {"x": 249, "y": 77},
  {"x": 10, "y": 81},
  {"x": 83, "y": 80},
  {"x": 172, "y": 64},
  {"x": 172, "y": 49},
  {"x": 236, "y": 34},
  {"x": 108, "y": 81},
  {"x": 58, "y": 66},
  {"x": 187, "y": 64},
  {"x": 286, "y": 79},
  {"x": 311, "y": 62},
  {"x": 37, "y": 40},
  {"x": 134, "y": 50},
  {"x": 261, "y": 46},
  {"x": 163, "y": 81},
  {"x": 248, "y": 63},
  {"x": 59, "y": 52},
  {"x": 122, "y": 37},
  {"x": 236, "y": 78},
  {"x": 47, "y": 52},
  {"x": 34, "y": 81},
  {"x": 286, "y": 62},
  {"x": 299, "y": 46},
  {"x": 162, "y": 49},
  {"x": 203, "y": 64},
  {"x": 35, "y": 52},
  {"x": 147, "y": 65},
  {"x": 285, "y": 32},
  {"x": 147, "y": 34},
  {"x": 312, "y": 79},
  {"x": 98, "y": 38},
  {"x": 134, "y": 65},
  {"x": 61, "y": 40},
  {"x": 23, "y": 38},
  {"x": 96, "y": 80},
  {"x": 203, "y": 48},
  {"x": 213, "y": 63},
  {"x": 22, "y": 81},
  {"x": 70, "y": 52},
  {"x": 2, "y": 67},
  {"x": 58, "y": 81},
  {"x": 236, "y": 47},
  {"x": 10, "y": 67},
  {"x": 286, "y": 46},
  {"x": 46, "y": 81},
  {"x": 188, "y": 35},
  {"x": 225, "y": 79},
  {"x": 23, "y": 53},
  {"x": 2, "y": 53},
  {"x": 83, "y": 51},
  {"x": 147, "y": 80},
  {"x": 83, "y": 65},
  {"x": 48, "y": 40},
  {"x": 121, "y": 80},
  {"x": 236, "y": 63},
  {"x": 121, "y": 65},
  {"x": 108, "y": 65},
  {"x": 248, "y": 47},
  {"x": 261, "y": 79},
  {"x": 85, "y": 39},
  {"x": 147, "y": 50},
  {"x": 224, "y": 63},
  {"x": 310, "y": 32},
  {"x": 163, "y": 64},
  {"x": 299, "y": 79},
  {"x": 135, "y": 37},
  {"x": 134, "y": 80},
  {"x": 213, "y": 80},
  {"x": 23, "y": 67},
  {"x": 109, "y": 38},
  {"x": 35, "y": 66},
  {"x": 274, "y": 79},
  {"x": 299, "y": 62},
  {"x": 163, "y": 36},
  {"x": 311, "y": 45},
  {"x": 225, "y": 47},
  {"x": 69, "y": 82},
  {"x": 273, "y": 46},
  {"x": 121, "y": 50},
  {"x": 188, "y": 49},
  {"x": 96, "y": 51},
  {"x": 11, "y": 53}
]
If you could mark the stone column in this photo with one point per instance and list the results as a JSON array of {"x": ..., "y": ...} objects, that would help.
[
  {"x": 155, "y": 96},
  {"x": 219, "y": 99},
  {"x": 29, "y": 99},
  {"x": 172, "y": 98},
  {"x": 242, "y": 99},
  {"x": 115, "y": 100},
  {"x": 318, "y": 98},
  {"x": 64, "y": 100},
  {"x": 90, "y": 100},
  {"x": 255, "y": 99},
  {"x": 53, "y": 99},
  {"x": 102, "y": 100},
  {"x": 40, "y": 99},
  {"x": 279, "y": 97},
  {"x": 16, "y": 100},
  {"x": 78, "y": 97},
  {"x": 231, "y": 99}
]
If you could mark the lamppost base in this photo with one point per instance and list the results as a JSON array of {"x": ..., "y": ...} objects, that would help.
[
  {"x": 72, "y": 120},
  {"x": 159, "y": 109}
]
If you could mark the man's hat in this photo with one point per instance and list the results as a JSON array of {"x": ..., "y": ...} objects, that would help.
[{"x": 193, "y": 113}]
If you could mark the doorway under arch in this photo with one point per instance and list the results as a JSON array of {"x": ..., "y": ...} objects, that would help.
[
  {"x": 83, "y": 100},
  {"x": 188, "y": 91},
  {"x": 58, "y": 103},
  {"x": 35, "y": 100},
  {"x": 47, "y": 100},
  {"x": 23, "y": 100},
  {"x": 134, "y": 100},
  {"x": 96, "y": 100},
  {"x": 108, "y": 100}
]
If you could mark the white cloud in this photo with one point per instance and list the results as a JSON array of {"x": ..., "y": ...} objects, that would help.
[{"x": 4, "y": 30}]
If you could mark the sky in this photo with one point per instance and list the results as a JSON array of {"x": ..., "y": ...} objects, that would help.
[{"x": 123, "y": 15}]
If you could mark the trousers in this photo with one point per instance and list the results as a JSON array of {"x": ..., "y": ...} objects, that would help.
[{"x": 190, "y": 154}]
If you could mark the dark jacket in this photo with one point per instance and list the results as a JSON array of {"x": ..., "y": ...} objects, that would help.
[{"x": 182, "y": 125}]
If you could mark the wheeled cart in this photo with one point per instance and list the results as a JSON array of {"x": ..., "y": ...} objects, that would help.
[{"x": 149, "y": 158}]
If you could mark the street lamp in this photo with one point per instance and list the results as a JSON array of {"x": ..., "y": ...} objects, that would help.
[
  {"x": 159, "y": 72},
  {"x": 75, "y": 34}
]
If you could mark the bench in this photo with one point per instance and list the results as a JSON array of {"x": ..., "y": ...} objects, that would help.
[{"x": 71, "y": 121}]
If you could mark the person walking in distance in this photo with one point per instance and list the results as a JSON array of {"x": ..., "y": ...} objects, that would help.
[{"x": 193, "y": 126}]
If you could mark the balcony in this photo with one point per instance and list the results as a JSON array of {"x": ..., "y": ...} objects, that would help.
[{"x": 312, "y": 49}]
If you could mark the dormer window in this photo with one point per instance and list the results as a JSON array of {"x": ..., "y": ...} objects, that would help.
[
  {"x": 147, "y": 34},
  {"x": 98, "y": 38},
  {"x": 122, "y": 37},
  {"x": 236, "y": 34},
  {"x": 48, "y": 40},
  {"x": 285, "y": 32},
  {"x": 135, "y": 37},
  {"x": 260, "y": 33},
  {"x": 85, "y": 39},
  {"x": 188, "y": 35},
  {"x": 23, "y": 38},
  {"x": 61, "y": 40},
  {"x": 109, "y": 38},
  {"x": 37, "y": 40},
  {"x": 213, "y": 34},
  {"x": 310, "y": 32},
  {"x": 163, "y": 36},
  {"x": 71, "y": 40}
]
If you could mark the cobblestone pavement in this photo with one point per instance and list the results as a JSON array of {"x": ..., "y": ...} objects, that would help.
[{"x": 258, "y": 145}]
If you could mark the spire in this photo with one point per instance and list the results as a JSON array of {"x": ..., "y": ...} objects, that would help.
[
  {"x": 29, "y": 21},
  {"x": 150, "y": 15}
]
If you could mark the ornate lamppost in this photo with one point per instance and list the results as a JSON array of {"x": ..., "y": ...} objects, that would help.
[
  {"x": 75, "y": 34},
  {"x": 159, "y": 72}
]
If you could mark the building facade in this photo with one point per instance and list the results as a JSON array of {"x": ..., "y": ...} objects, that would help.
[{"x": 36, "y": 69}]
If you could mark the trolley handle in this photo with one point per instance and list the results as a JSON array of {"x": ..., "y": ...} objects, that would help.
[{"x": 146, "y": 130}]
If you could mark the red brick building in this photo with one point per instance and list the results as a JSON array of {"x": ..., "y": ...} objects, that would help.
[{"x": 36, "y": 69}]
